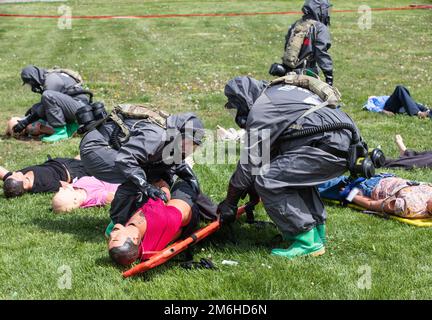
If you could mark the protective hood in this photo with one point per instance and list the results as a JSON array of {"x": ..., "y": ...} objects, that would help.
[
  {"x": 318, "y": 10},
  {"x": 242, "y": 92},
  {"x": 34, "y": 76},
  {"x": 188, "y": 124}
]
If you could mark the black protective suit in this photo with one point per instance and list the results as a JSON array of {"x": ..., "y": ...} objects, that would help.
[
  {"x": 57, "y": 106},
  {"x": 139, "y": 161},
  {"x": 320, "y": 37},
  {"x": 287, "y": 184}
]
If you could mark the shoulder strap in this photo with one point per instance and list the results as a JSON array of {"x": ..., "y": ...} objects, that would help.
[
  {"x": 119, "y": 121},
  {"x": 136, "y": 111},
  {"x": 313, "y": 109},
  {"x": 71, "y": 73},
  {"x": 326, "y": 92}
]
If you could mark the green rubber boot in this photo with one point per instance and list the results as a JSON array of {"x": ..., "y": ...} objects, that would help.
[
  {"x": 321, "y": 228},
  {"x": 71, "y": 128},
  {"x": 108, "y": 229},
  {"x": 60, "y": 133},
  {"x": 306, "y": 244}
]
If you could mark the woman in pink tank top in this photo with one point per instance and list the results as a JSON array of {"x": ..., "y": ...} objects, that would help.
[{"x": 153, "y": 226}]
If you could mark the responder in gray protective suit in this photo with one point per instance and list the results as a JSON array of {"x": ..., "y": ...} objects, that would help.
[
  {"x": 144, "y": 158},
  {"x": 61, "y": 98},
  {"x": 315, "y": 47},
  {"x": 287, "y": 184}
]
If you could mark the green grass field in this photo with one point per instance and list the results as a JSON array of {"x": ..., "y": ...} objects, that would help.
[{"x": 182, "y": 64}]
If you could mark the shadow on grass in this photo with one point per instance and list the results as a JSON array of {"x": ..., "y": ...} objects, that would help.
[
  {"x": 246, "y": 236},
  {"x": 239, "y": 236},
  {"x": 146, "y": 276},
  {"x": 84, "y": 229},
  {"x": 22, "y": 138}
]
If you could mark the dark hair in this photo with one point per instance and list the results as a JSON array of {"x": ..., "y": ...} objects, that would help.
[
  {"x": 125, "y": 254},
  {"x": 13, "y": 188}
]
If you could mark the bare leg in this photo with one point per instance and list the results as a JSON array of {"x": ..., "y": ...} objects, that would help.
[{"x": 400, "y": 144}]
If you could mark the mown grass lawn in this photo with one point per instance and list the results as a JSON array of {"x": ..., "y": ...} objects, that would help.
[{"x": 182, "y": 64}]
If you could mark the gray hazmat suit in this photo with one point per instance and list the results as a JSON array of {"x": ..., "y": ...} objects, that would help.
[
  {"x": 57, "y": 106},
  {"x": 320, "y": 37},
  {"x": 287, "y": 185},
  {"x": 141, "y": 156}
]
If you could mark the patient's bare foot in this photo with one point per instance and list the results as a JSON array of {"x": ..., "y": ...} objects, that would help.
[{"x": 400, "y": 144}]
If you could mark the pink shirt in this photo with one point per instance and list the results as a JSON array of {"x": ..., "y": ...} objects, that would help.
[
  {"x": 163, "y": 223},
  {"x": 97, "y": 191}
]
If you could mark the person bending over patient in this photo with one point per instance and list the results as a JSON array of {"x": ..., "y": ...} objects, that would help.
[
  {"x": 84, "y": 193},
  {"x": 155, "y": 225}
]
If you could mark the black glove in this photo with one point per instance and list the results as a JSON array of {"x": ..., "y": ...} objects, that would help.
[
  {"x": 227, "y": 212},
  {"x": 184, "y": 172},
  {"x": 147, "y": 189},
  {"x": 329, "y": 78},
  {"x": 254, "y": 198},
  {"x": 228, "y": 208},
  {"x": 154, "y": 192},
  {"x": 22, "y": 124}
]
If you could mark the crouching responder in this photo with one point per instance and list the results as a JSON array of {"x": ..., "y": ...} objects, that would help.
[
  {"x": 309, "y": 141},
  {"x": 136, "y": 146},
  {"x": 307, "y": 43},
  {"x": 62, "y": 96}
]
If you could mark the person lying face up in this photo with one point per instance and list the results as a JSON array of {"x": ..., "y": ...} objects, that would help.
[
  {"x": 34, "y": 130},
  {"x": 155, "y": 225},
  {"x": 45, "y": 177},
  {"x": 400, "y": 197},
  {"x": 86, "y": 192},
  {"x": 383, "y": 193}
]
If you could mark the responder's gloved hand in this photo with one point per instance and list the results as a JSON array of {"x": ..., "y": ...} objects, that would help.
[
  {"x": 329, "y": 78},
  {"x": 254, "y": 198},
  {"x": 228, "y": 208},
  {"x": 184, "y": 172},
  {"x": 147, "y": 189},
  {"x": 154, "y": 192},
  {"x": 227, "y": 212},
  {"x": 22, "y": 124}
]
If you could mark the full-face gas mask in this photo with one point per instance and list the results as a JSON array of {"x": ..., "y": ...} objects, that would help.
[
  {"x": 363, "y": 162},
  {"x": 239, "y": 114}
]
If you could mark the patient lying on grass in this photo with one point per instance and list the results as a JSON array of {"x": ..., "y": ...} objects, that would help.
[
  {"x": 84, "y": 193},
  {"x": 34, "y": 130},
  {"x": 155, "y": 225},
  {"x": 383, "y": 193}
]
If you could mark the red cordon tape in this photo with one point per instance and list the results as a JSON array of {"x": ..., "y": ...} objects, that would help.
[{"x": 188, "y": 15}]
